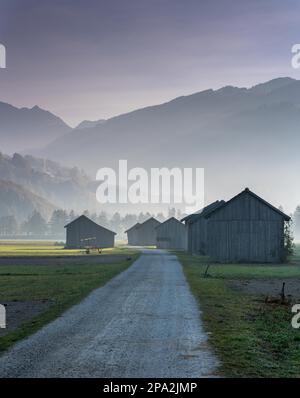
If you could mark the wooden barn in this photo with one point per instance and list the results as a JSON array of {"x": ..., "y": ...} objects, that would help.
[
  {"x": 246, "y": 229},
  {"x": 196, "y": 225},
  {"x": 132, "y": 234},
  {"x": 171, "y": 234},
  {"x": 145, "y": 233},
  {"x": 83, "y": 232}
]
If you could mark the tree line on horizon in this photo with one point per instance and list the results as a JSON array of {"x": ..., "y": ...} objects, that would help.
[{"x": 37, "y": 225}]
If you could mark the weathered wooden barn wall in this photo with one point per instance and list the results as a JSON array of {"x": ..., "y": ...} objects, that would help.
[
  {"x": 83, "y": 228},
  {"x": 197, "y": 232},
  {"x": 197, "y": 229},
  {"x": 171, "y": 234},
  {"x": 132, "y": 235},
  {"x": 246, "y": 229},
  {"x": 146, "y": 232}
]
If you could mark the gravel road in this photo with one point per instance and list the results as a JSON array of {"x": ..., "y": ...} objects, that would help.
[{"x": 143, "y": 323}]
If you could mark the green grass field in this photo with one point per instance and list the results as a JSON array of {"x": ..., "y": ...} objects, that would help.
[
  {"x": 251, "y": 338},
  {"x": 48, "y": 248},
  {"x": 63, "y": 285}
]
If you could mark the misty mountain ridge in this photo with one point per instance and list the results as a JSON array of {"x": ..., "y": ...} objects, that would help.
[
  {"x": 86, "y": 124},
  {"x": 241, "y": 136},
  {"x": 198, "y": 118},
  {"x": 19, "y": 202},
  {"x": 208, "y": 103},
  {"x": 66, "y": 188},
  {"x": 22, "y": 129},
  {"x": 198, "y": 115}
]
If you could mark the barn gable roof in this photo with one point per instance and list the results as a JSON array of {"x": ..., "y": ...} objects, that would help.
[
  {"x": 133, "y": 227},
  {"x": 83, "y": 217},
  {"x": 172, "y": 219},
  {"x": 151, "y": 219},
  {"x": 247, "y": 191},
  {"x": 204, "y": 211}
]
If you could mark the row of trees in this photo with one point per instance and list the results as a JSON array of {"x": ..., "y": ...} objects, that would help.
[{"x": 36, "y": 225}]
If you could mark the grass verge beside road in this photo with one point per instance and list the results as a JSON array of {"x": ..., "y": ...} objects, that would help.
[
  {"x": 63, "y": 286},
  {"x": 251, "y": 338}
]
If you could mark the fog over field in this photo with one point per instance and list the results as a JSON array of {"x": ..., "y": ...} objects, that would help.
[
  {"x": 241, "y": 137},
  {"x": 153, "y": 83},
  {"x": 149, "y": 191}
]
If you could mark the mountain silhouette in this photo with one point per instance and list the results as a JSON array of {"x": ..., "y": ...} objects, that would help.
[
  {"x": 241, "y": 136},
  {"x": 22, "y": 129}
]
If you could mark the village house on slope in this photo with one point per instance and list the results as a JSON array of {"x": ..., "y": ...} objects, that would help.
[
  {"x": 171, "y": 234},
  {"x": 196, "y": 225},
  {"x": 145, "y": 233},
  {"x": 246, "y": 229},
  {"x": 83, "y": 232},
  {"x": 132, "y": 234}
]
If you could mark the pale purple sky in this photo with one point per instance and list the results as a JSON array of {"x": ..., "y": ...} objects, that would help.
[{"x": 88, "y": 59}]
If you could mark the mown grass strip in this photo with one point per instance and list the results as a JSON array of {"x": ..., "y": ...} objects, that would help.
[
  {"x": 251, "y": 338},
  {"x": 64, "y": 286}
]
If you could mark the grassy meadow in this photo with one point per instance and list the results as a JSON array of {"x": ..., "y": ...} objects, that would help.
[
  {"x": 50, "y": 248},
  {"x": 61, "y": 285},
  {"x": 252, "y": 338}
]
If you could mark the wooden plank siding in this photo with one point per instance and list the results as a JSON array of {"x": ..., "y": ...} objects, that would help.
[
  {"x": 133, "y": 234},
  {"x": 197, "y": 229},
  {"x": 197, "y": 236},
  {"x": 246, "y": 229},
  {"x": 245, "y": 241},
  {"x": 171, "y": 234},
  {"x": 82, "y": 228},
  {"x": 145, "y": 234}
]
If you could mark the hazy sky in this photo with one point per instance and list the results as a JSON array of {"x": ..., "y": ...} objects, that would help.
[{"x": 92, "y": 59}]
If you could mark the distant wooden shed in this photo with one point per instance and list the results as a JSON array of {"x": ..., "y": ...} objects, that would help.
[
  {"x": 171, "y": 234},
  {"x": 246, "y": 229},
  {"x": 196, "y": 225},
  {"x": 144, "y": 234},
  {"x": 132, "y": 234},
  {"x": 83, "y": 232}
]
